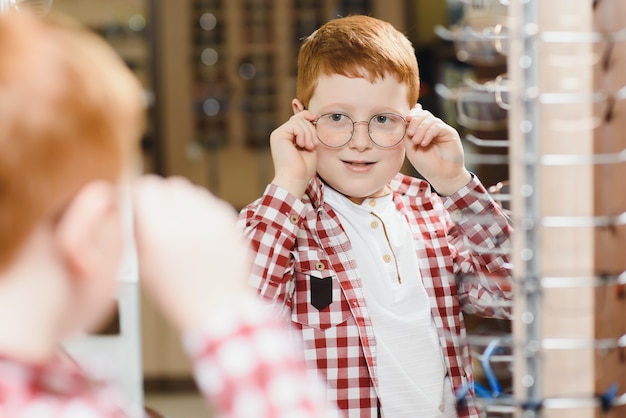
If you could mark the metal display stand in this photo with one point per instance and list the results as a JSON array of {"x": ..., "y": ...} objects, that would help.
[{"x": 524, "y": 140}]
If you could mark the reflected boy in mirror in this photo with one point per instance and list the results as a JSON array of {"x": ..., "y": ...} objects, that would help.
[{"x": 370, "y": 265}]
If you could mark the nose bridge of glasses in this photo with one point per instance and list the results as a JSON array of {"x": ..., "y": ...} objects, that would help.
[
  {"x": 361, "y": 122},
  {"x": 363, "y": 140},
  {"x": 367, "y": 126}
]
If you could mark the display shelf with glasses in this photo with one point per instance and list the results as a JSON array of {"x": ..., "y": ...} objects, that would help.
[
  {"x": 472, "y": 72},
  {"x": 211, "y": 95},
  {"x": 125, "y": 25},
  {"x": 472, "y": 59}
]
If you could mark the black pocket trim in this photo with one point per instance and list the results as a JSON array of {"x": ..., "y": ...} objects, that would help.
[{"x": 321, "y": 292}]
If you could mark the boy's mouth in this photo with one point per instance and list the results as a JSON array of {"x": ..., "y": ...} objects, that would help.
[
  {"x": 358, "y": 163},
  {"x": 357, "y": 166}
]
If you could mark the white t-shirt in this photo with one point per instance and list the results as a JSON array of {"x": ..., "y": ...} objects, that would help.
[{"x": 410, "y": 367}]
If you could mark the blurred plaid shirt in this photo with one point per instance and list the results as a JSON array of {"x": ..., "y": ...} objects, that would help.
[{"x": 246, "y": 365}]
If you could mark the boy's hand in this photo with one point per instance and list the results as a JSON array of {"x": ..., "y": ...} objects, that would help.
[
  {"x": 191, "y": 258},
  {"x": 435, "y": 151},
  {"x": 293, "y": 153}
]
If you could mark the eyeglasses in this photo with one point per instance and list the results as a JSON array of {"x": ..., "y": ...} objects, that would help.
[
  {"x": 476, "y": 109},
  {"x": 478, "y": 39},
  {"x": 335, "y": 130}
]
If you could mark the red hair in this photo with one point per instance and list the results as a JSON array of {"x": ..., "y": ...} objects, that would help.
[
  {"x": 70, "y": 112},
  {"x": 357, "y": 46}
]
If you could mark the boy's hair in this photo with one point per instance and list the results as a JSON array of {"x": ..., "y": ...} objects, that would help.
[
  {"x": 70, "y": 112},
  {"x": 356, "y": 46}
]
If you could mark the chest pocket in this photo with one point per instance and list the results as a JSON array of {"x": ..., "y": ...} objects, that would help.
[{"x": 318, "y": 298}]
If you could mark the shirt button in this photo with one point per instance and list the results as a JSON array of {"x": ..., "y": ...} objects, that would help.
[
  {"x": 374, "y": 224},
  {"x": 319, "y": 266},
  {"x": 372, "y": 202},
  {"x": 294, "y": 219},
  {"x": 386, "y": 258}
]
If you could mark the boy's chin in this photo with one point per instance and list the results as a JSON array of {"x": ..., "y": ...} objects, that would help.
[{"x": 352, "y": 192}]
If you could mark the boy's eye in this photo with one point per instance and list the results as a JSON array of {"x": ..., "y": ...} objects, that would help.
[
  {"x": 337, "y": 117},
  {"x": 382, "y": 119}
]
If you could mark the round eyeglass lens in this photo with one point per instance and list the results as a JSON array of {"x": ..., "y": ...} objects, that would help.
[
  {"x": 334, "y": 129},
  {"x": 387, "y": 129}
]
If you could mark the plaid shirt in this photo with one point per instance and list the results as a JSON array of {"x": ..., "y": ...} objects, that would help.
[
  {"x": 245, "y": 365},
  {"x": 295, "y": 242}
]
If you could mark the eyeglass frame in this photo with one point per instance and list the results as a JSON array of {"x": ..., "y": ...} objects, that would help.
[{"x": 354, "y": 123}]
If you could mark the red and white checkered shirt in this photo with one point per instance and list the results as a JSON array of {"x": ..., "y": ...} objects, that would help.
[
  {"x": 298, "y": 242},
  {"x": 246, "y": 365}
]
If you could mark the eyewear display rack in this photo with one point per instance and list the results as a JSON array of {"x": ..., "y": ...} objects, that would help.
[
  {"x": 563, "y": 99},
  {"x": 472, "y": 87},
  {"x": 567, "y": 135}
]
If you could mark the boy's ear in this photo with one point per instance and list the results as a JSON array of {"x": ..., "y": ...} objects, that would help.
[
  {"x": 85, "y": 234},
  {"x": 297, "y": 106}
]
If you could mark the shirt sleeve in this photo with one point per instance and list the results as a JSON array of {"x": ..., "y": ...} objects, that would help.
[
  {"x": 271, "y": 225},
  {"x": 481, "y": 234},
  {"x": 247, "y": 364}
]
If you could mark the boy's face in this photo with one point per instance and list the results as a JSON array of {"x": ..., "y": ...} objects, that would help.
[{"x": 359, "y": 169}]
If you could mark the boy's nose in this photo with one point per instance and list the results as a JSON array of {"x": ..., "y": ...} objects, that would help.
[{"x": 361, "y": 137}]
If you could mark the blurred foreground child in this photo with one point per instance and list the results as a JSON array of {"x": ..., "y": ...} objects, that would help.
[{"x": 71, "y": 115}]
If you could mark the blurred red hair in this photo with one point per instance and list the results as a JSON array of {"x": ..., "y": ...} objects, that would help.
[{"x": 70, "y": 112}]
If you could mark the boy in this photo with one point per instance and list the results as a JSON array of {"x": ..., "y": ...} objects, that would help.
[
  {"x": 71, "y": 114},
  {"x": 368, "y": 262}
]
